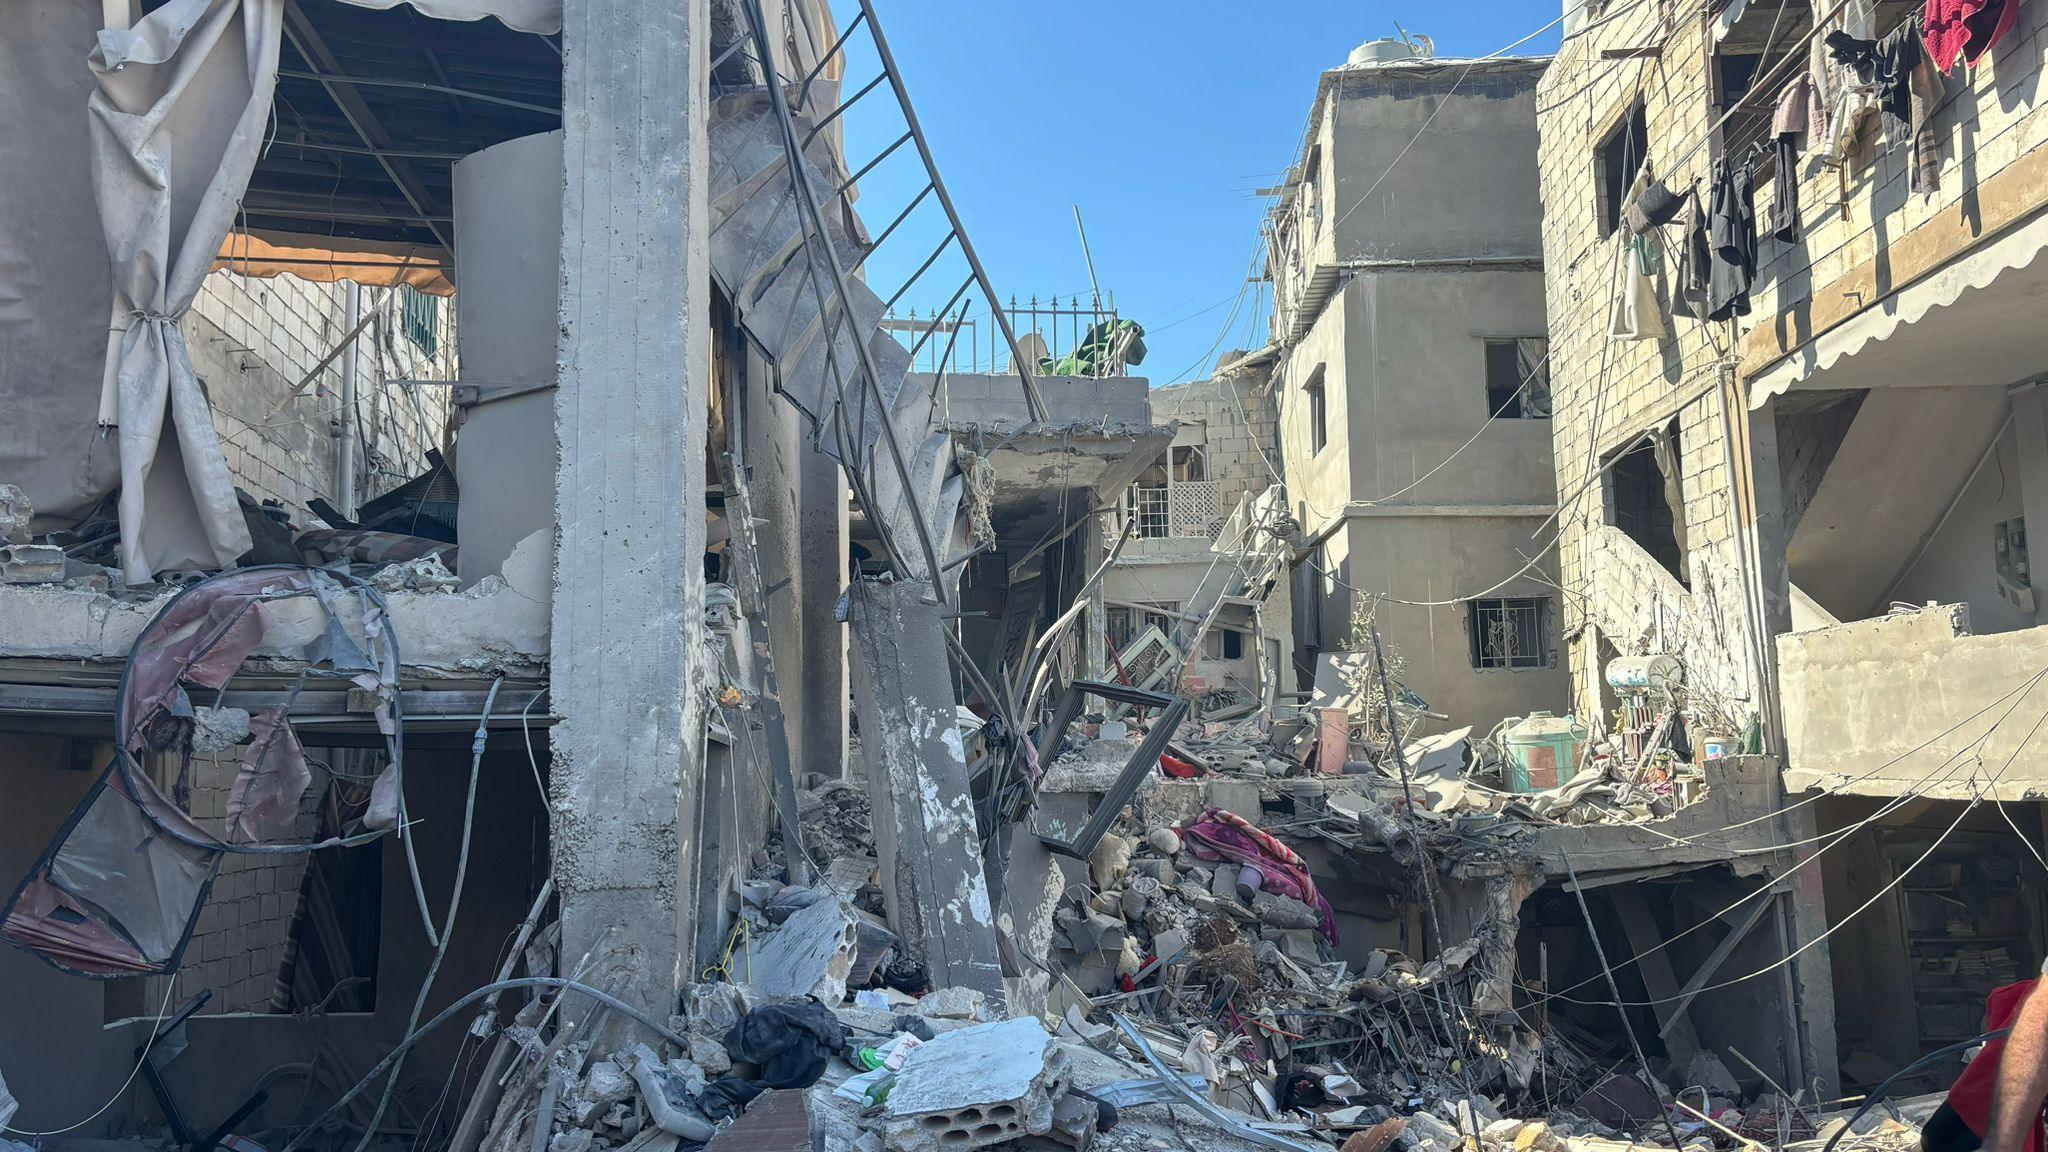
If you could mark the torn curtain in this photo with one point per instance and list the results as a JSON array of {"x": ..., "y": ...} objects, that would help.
[{"x": 176, "y": 124}]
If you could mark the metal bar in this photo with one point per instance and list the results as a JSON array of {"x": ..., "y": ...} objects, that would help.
[
  {"x": 419, "y": 86},
  {"x": 928, "y": 332},
  {"x": 945, "y": 358},
  {"x": 306, "y": 41},
  {"x": 870, "y": 165},
  {"x": 358, "y": 150},
  {"x": 803, "y": 94},
  {"x": 738, "y": 42},
  {"x": 823, "y": 242},
  {"x": 1199, "y": 1102},
  {"x": 836, "y": 113},
  {"x": 268, "y": 208},
  {"x": 893, "y": 225},
  {"x": 1031, "y": 396},
  {"x": 921, "y": 270}
]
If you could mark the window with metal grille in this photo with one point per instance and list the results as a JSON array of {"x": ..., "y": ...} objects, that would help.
[
  {"x": 1149, "y": 504},
  {"x": 1510, "y": 632},
  {"x": 1518, "y": 378},
  {"x": 419, "y": 316}
]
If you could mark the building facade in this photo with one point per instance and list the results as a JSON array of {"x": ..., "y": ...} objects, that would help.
[
  {"x": 1807, "y": 474},
  {"x": 1225, "y": 451},
  {"x": 1412, "y": 385}
]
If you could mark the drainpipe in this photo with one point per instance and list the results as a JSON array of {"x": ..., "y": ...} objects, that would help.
[{"x": 345, "y": 474}]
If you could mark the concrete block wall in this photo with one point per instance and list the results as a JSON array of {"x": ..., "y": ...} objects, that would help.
[
  {"x": 252, "y": 340},
  {"x": 239, "y": 944},
  {"x": 1607, "y": 393},
  {"x": 1990, "y": 119}
]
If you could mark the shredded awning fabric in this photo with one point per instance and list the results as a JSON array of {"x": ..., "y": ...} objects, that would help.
[{"x": 118, "y": 890}]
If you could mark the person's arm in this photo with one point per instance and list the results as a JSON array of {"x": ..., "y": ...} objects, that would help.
[{"x": 2022, "y": 1078}]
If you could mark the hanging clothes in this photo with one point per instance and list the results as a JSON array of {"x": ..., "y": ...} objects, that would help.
[
  {"x": 1731, "y": 236},
  {"x": 1695, "y": 261},
  {"x": 1636, "y": 313},
  {"x": 1843, "y": 98},
  {"x": 1966, "y": 28},
  {"x": 1903, "y": 83},
  {"x": 1791, "y": 130}
]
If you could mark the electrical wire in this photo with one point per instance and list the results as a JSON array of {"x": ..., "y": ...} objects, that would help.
[
  {"x": 447, "y": 932},
  {"x": 162, "y": 1014},
  {"x": 1840, "y": 835},
  {"x": 1897, "y": 880},
  {"x": 415, "y": 1033}
]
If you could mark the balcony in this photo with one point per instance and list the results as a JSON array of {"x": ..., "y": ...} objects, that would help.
[
  {"x": 1182, "y": 510},
  {"x": 1914, "y": 702}
]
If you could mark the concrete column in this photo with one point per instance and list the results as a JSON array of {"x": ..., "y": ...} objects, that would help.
[
  {"x": 1095, "y": 641},
  {"x": 932, "y": 879},
  {"x": 820, "y": 727},
  {"x": 1811, "y": 1018},
  {"x": 635, "y": 370},
  {"x": 774, "y": 455}
]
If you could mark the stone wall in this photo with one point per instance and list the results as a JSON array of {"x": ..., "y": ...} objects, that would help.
[{"x": 1607, "y": 394}]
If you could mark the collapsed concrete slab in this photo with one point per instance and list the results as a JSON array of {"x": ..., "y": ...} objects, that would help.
[
  {"x": 976, "y": 1087},
  {"x": 810, "y": 955}
]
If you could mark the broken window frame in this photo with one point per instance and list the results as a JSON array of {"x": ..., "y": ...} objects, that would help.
[
  {"x": 1641, "y": 478},
  {"x": 1517, "y": 377},
  {"x": 1616, "y": 159}
]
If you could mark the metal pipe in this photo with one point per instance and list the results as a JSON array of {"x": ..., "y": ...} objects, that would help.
[
  {"x": 345, "y": 472},
  {"x": 420, "y": 86},
  {"x": 1031, "y": 396}
]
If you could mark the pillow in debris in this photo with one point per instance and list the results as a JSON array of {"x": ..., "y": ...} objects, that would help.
[{"x": 324, "y": 546}]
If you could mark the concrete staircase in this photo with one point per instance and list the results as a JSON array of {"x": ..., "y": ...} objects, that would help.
[{"x": 760, "y": 257}]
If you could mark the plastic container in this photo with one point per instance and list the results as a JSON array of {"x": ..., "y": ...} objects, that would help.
[{"x": 1543, "y": 751}]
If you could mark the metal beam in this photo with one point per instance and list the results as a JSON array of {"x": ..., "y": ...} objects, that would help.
[{"x": 306, "y": 40}]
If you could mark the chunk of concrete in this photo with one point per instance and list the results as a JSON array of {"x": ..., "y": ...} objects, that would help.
[
  {"x": 669, "y": 1097},
  {"x": 778, "y": 1120},
  {"x": 1238, "y": 796},
  {"x": 31, "y": 564},
  {"x": 811, "y": 955},
  {"x": 1284, "y": 911},
  {"x": 15, "y": 515},
  {"x": 976, "y": 1087},
  {"x": 954, "y": 1004}
]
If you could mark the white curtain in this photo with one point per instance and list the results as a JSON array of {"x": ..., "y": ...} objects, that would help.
[{"x": 176, "y": 124}]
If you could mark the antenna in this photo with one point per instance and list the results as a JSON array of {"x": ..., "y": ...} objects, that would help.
[{"x": 1095, "y": 284}]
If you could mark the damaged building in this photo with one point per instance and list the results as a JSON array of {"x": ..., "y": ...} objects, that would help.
[
  {"x": 1793, "y": 460},
  {"x": 518, "y": 635}
]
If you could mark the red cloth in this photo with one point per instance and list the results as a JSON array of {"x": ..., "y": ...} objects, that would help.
[
  {"x": 1971, "y": 1095},
  {"x": 1224, "y": 835},
  {"x": 1953, "y": 28}
]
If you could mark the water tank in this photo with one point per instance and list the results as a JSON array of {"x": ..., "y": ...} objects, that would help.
[
  {"x": 1543, "y": 751},
  {"x": 1383, "y": 51}
]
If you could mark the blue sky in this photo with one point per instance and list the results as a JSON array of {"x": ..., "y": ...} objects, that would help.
[{"x": 1157, "y": 118}]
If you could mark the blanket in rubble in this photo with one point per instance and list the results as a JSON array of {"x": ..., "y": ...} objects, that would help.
[
  {"x": 791, "y": 1043},
  {"x": 1224, "y": 835}
]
